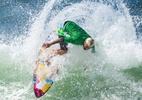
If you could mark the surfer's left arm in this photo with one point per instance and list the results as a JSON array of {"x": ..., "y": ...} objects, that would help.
[{"x": 93, "y": 49}]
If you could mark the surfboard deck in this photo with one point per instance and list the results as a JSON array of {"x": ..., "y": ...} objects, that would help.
[{"x": 43, "y": 73}]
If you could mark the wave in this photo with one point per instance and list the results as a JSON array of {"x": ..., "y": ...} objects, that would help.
[{"x": 107, "y": 74}]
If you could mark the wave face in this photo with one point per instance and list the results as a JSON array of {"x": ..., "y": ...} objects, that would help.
[{"x": 112, "y": 73}]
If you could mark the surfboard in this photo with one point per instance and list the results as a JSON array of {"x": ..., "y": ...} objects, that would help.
[{"x": 44, "y": 72}]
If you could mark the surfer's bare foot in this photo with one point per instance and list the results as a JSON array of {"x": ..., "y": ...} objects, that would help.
[
  {"x": 60, "y": 52},
  {"x": 47, "y": 62}
]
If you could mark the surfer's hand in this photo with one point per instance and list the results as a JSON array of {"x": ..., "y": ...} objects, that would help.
[{"x": 46, "y": 45}]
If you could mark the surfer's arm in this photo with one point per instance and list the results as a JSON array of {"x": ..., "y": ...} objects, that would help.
[
  {"x": 56, "y": 41},
  {"x": 47, "y": 45}
]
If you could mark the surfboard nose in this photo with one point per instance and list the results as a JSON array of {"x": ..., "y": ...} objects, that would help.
[{"x": 40, "y": 88}]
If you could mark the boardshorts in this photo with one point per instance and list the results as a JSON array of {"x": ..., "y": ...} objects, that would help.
[{"x": 63, "y": 45}]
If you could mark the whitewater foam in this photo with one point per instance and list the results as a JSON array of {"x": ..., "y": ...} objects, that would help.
[{"x": 83, "y": 74}]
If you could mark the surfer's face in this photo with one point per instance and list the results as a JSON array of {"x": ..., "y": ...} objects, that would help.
[{"x": 86, "y": 47}]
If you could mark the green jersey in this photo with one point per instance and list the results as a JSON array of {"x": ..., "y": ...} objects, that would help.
[{"x": 77, "y": 35}]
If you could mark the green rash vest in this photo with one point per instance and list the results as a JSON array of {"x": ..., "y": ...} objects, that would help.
[{"x": 77, "y": 35}]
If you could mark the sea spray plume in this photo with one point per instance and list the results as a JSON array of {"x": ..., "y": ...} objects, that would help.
[{"x": 104, "y": 77}]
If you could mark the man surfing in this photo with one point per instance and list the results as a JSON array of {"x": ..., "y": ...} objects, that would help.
[{"x": 76, "y": 36}]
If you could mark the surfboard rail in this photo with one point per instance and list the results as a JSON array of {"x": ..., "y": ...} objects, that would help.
[{"x": 43, "y": 74}]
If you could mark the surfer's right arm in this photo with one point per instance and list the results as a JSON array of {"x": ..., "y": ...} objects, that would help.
[
  {"x": 47, "y": 45},
  {"x": 59, "y": 40}
]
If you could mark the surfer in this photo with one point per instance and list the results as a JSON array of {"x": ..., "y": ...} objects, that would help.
[{"x": 76, "y": 36}]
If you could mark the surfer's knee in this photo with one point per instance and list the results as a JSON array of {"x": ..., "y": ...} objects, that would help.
[{"x": 61, "y": 52}]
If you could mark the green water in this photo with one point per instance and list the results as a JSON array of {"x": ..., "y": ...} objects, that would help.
[
  {"x": 112, "y": 73},
  {"x": 78, "y": 82}
]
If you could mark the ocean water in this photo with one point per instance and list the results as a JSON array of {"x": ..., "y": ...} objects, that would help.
[{"x": 114, "y": 72}]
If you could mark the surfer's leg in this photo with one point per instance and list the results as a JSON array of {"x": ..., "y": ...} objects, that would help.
[
  {"x": 63, "y": 48},
  {"x": 60, "y": 52},
  {"x": 47, "y": 62}
]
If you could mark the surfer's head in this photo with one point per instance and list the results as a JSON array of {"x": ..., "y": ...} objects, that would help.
[{"x": 88, "y": 43}]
